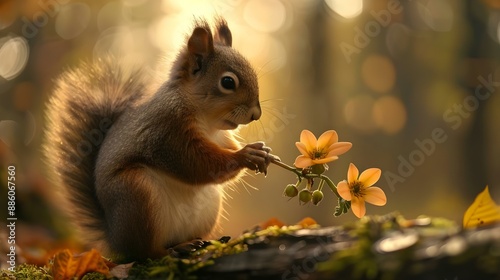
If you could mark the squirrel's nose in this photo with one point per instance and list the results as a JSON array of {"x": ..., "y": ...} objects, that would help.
[{"x": 256, "y": 112}]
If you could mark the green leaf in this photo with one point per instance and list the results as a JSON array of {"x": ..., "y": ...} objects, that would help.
[{"x": 342, "y": 208}]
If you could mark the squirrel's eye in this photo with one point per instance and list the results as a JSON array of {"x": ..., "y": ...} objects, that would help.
[{"x": 228, "y": 82}]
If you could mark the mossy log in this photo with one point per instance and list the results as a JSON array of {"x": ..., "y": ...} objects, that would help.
[
  {"x": 386, "y": 247},
  {"x": 375, "y": 247}
]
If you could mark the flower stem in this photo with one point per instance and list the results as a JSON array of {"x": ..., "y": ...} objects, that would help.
[
  {"x": 329, "y": 182},
  {"x": 286, "y": 166},
  {"x": 299, "y": 174},
  {"x": 321, "y": 184},
  {"x": 332, "y": 186},
  {"x": 298, "y": 182}
]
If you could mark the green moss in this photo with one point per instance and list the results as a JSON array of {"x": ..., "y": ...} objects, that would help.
[
  {"x": 94, "y": 276},
  {"x": 6, "y": 275},
  {"x": 29, "y": 271},
  {"x": 361, "y": 261},
  {"x": 26, "y": 271},
  {"x": 184, "y": 268}
]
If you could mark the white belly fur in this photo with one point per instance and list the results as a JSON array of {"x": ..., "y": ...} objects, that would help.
[{"x": 184, "y": 212}]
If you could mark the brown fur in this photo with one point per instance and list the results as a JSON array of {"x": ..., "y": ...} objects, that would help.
[{"x": 154, "y": 178}]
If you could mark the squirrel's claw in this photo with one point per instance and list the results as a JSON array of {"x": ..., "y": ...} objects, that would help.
[{"x": 257, "y": 157}]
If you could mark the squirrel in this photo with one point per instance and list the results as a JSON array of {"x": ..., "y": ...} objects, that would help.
[{"x": 143, "y": 172}]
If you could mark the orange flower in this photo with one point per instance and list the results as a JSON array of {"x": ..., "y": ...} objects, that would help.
[
  {"x": 319, "y": 151},
  {"x": 358, "y": 190}
]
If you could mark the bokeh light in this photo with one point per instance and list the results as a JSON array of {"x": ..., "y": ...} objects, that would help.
[
  {"x": 14, "y": 56},
  {"x": 346, "y": 9},
  {"x": 378, "y": 73},
  {"x": 265, "y": 15},
  {"x": 72, "y": 20},
  {"x": 389, "y": 114},
  {"x": 438, "y": 15}
]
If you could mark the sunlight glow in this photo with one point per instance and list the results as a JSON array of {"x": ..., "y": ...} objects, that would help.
[
  {"x": 265, "y": 16},
  {"x": 346, "y": 8}
]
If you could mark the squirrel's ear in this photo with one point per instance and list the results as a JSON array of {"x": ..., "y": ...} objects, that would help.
[
  {"x": 200, "y": 43},
  {"x": 223, "y": 34}
]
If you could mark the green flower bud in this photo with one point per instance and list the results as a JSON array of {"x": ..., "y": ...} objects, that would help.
[
  {"x": 291, "y": 191},
  {"x": 318, "y": 168},
  {"x": 305, "y": 196},
  {"x": 317, "y": 197}
]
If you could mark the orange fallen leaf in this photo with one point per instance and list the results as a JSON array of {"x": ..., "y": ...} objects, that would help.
[
  {"x": 307, "y": 222},
  {"x": 271, "y": 222},
  {"x": 66, "y": 266}
]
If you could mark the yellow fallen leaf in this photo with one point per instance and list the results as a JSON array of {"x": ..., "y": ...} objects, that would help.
[{"x": 482, "y": 211}]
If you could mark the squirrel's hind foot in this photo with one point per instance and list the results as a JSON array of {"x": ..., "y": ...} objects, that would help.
[{"x": 185, "y": 249}]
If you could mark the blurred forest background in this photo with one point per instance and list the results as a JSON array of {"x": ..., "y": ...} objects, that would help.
[{"x": 414, "y": 85}]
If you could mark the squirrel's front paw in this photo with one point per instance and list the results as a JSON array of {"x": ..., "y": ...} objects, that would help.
[{"x": 256, "y": 156}]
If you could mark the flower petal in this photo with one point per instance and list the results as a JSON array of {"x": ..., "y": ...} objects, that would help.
[
  {"x": 302, "y": 148},
  {"x": 327, "y": 139},
  {"x": 308, "y": 139},
  {"x": 339, "y": 148},
  {"x": 370, "y": 176},
  {"x": 352, "y": 173},
  {"x": 375, "y": 196},
  {"x": 358, "y": 207},
  {"x": 303, "y": 162},
  {"x": 324, "y": 160},
  {"x": 343, "y": 190}
]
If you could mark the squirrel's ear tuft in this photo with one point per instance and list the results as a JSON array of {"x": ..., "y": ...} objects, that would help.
[
  {"x": 222, "y": 33},
  {"x": 200, "y": 43}
]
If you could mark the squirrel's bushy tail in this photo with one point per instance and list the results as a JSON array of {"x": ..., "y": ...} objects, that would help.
[{"x": 86, "y": 102}]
